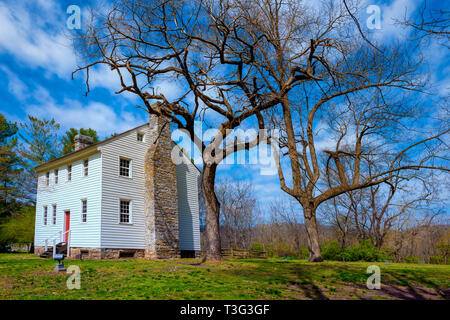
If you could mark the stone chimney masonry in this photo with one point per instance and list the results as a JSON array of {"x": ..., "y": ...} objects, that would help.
[
  {"x": 161, "y": 197},
  {"x": 81, "y": 141}
]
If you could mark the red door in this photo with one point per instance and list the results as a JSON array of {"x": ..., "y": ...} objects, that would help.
[{"x": 67, "y": 225}]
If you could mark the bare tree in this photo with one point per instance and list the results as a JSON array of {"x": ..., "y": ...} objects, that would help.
[
  {"x": 204, "y": 47},
  {"x": 339, "y": 214},
  {"x": 288, "y": 225},
  {"x": 363, "y": 92},
  {"x": 238, "y": 214},
  {"x": 410, "y": 235},
  {"x": 233, "y": 59},
  {"x": 373, "y": 212},
  {"x": 351, "y": 167},
  {"x": 430, "y": 22}
]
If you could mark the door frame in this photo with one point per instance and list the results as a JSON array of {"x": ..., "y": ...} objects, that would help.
[{"x": 66, "y": 213}]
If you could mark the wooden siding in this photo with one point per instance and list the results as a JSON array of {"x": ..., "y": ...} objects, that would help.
[
  {"x": 67, "y": 195},
  {"x": 115, "y": 187},
  {"x": 188, "y": 210}
]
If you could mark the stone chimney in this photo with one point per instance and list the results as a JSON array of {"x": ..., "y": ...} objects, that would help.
[
  {"x": 161, "y": 197},
  {"x": 82, "y": 142}
]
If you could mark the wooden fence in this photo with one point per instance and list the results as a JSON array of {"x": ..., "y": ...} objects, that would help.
[{"x": 236, "y": 253}]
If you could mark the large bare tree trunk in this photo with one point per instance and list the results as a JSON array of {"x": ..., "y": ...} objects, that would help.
[
  {"x": 313, "y": 235},
  {"x": 212, "y": 206}
]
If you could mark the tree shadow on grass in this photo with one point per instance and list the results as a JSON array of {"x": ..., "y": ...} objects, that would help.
[
  {"x": 310, "y": 280},
  {"x": 406, "y": 285},
  {"x": 413, "y": 285},
  {"x": 294, "y": 278}
]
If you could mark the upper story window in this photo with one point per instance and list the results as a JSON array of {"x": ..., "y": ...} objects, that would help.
[
  {"x": 140, "y": 136},
  {"x": 86, "y": 167},
  {"x": 83, "y": 210},
  {"x": 54, "y": 214},
  {"x": 124, "y": 211},
  {"x": 69, "y": 172},
  {"x": 56, "y": 176},
  {"x": 124, "y": 167},
  {"x": 47, "y": 178},
  {"x": 45, "y": 216}
]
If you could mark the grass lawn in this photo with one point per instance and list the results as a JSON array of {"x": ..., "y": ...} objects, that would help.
[{"x": 25, "y": 276}]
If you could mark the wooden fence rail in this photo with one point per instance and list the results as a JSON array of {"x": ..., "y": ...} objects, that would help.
[{"x": 236, "y": 253}]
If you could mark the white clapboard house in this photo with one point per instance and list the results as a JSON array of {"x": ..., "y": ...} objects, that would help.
[{"x": 122, "y": 197}]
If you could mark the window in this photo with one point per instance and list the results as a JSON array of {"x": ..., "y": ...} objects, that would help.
[
  {"x": 54, "y": 214},
  {"x": 45, "y": 215},
  {"x": 47, "y": 178},
  {"x": 56, "y": 176},
  {"x": 140, "y": 137},
  {"x": 69, "y": 172},
  {"x": 124, "y": 167},
  {"x": 86, "y": 167},
  {"x": 83, "y": 210},
  {"x": 124, "y": 211}
]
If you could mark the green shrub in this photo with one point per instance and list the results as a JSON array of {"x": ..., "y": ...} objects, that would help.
[
  {"x": 304, "y": 253},
  {"x": 365, "y": 251},
  {"x": 388, "y": 253},
  {"x": 277, "y": 249},
  {"x": 19, "y": 228},
  {"x": 283, "y": 249},
  {"x": 257, "y": 246},
  {"x": 443, "y": 251},
  {"x": 270, "y": 249},
  {"x": 411, "y": 259},
  {"x": 332, "y": 251},
  {"x": 436, "y": 260}
]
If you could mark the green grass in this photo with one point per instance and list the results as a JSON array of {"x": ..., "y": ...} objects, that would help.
[{"x": 25, "y": 276}]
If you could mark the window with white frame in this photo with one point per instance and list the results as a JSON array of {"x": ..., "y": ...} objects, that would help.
[
  {"x": 83, "y": 210},
  {"x": 45, "y": 216},
  {"x": 125, "y": 210},
  {"x": 86, "y": 167},
  {"x": 69, "y": 172},
  {"x": 54, "y": 214},
  {"x": 47, "y": 178},
  {"x": 140, "y": 137},
  {"x": 56, "y": 176},
  {"x": 124, "y": 167}
]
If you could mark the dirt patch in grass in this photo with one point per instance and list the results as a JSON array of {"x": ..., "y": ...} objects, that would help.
[
  {"x": 359, "y": 292},
  {"x": 411, "y": 293}
]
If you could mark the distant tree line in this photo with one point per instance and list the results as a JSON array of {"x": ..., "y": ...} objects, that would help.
[{"x": 408, "y": 236}]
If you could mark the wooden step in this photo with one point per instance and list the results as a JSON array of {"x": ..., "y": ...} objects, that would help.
[{"x": 61, "y": 247}]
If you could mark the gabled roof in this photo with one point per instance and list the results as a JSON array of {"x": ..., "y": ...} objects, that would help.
[
  {"x": 93, "y": 149},
  {"x": 85, "y": 151}
]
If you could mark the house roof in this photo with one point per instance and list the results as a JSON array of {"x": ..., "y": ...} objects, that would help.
[
  {"x": 84, "y": 151},
  {"x": 91, "y": 149}
]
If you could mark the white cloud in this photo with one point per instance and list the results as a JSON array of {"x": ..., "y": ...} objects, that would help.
[
  {"x": 169, "y": 88},
  {"x": 94, "y": 115},
  {"x": 15, "y": 86},
  {"x": 435, "y": 54},
  {"x": 396, "y": 10},
  {"x": 42, "y": 95},
  {"x": 25, "y": 36},
  {"x": 101, "y": 76}
]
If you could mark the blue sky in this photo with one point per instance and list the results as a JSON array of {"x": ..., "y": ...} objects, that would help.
[{"x": 36, "y": 62}]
